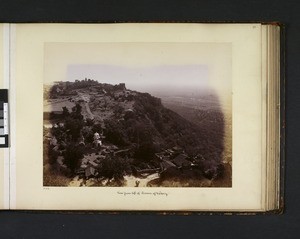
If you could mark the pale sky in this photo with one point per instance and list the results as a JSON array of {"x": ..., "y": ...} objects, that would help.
[
  {"x": 143, "y": 78},
  {"x": 141, "y": 66}
]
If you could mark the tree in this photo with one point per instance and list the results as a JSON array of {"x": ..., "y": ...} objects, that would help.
[
  {"x": 113, "y": 168},
  {"x": 72, "y": 156},
  {"x": 88, "y": 134},
  {"x": 114, "y": 133},
  {"x": 74, "y": 122},
  {"x": 145, "y": 147},
  {"x": 76, "y": 112},
  {"x": 74, "y": 126},
  {"x": 89, "y": 122},
  {"x": 66, "y": 112}
]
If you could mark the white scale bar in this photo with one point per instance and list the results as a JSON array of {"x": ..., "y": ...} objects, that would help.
[
  {"x": 5, "y": 118},
  {"x": 2, "y": 140}
]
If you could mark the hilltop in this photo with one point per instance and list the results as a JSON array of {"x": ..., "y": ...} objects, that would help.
[{"x": 142, "y": 131}]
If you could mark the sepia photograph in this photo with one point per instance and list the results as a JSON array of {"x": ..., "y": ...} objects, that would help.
[{"x": 131, "y": 114}]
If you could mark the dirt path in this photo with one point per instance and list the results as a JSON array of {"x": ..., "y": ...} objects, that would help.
[
  {"x": 76, "y": 182},
  {"x": 86, "y": 99},
  {"x": 131, "y": 180},
  {"x": 88, "y": 110}
]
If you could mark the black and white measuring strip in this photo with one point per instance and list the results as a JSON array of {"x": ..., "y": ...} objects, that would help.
[{"x": 4, "y": 132}]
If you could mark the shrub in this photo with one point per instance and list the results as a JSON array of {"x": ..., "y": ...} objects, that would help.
[{"x": 52, "y": 155}]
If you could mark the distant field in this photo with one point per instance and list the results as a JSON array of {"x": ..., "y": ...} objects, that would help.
[
  {"x": 208, "y": 115},
  {"x": 201, "y": 103}
]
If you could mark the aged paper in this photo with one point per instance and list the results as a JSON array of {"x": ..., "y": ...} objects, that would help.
[{"x": 243, "y": 40}]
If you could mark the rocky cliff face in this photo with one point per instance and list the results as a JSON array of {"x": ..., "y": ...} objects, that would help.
[{"x": 139, "y": 119}]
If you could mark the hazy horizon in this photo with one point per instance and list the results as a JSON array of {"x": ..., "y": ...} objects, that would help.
[
  {"x": 145, "y": 67},
  {"x": 154, "y": 78}
]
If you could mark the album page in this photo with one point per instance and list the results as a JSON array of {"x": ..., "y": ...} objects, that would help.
[{"x": 148, "y": 117}]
